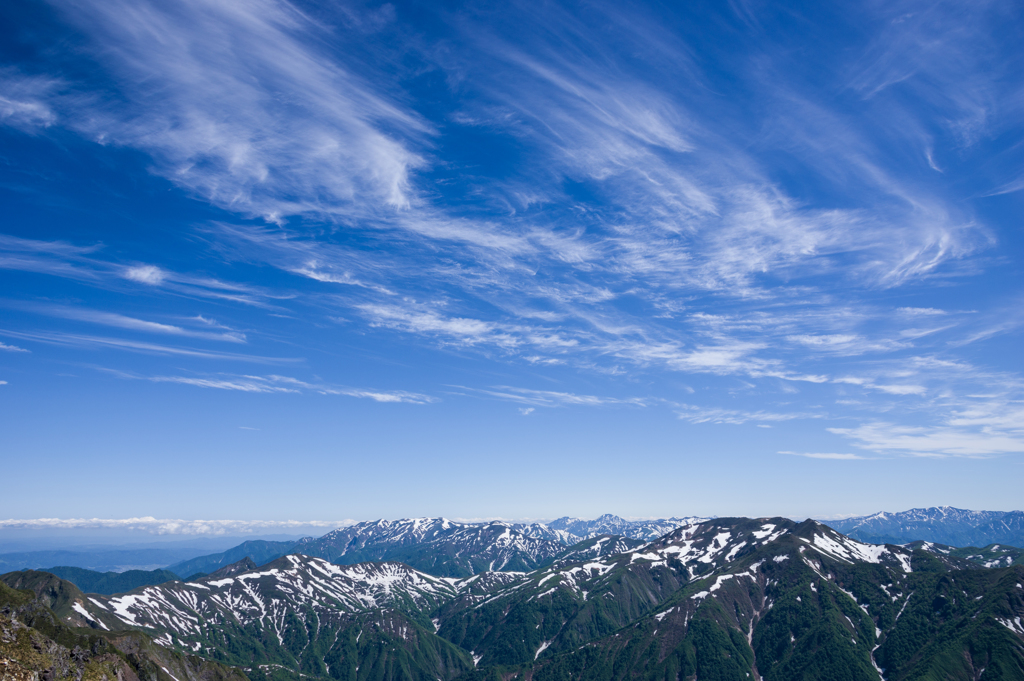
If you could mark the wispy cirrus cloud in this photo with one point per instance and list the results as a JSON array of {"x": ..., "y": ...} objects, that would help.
[
  {"x": 24, "y": 100},
  {"x": 87, "y": 265},
  {"x": 284, "y": 384},
  {"x": 890, "y": 388},
  {"x": 729, "y": 223},
  {"x": 984, "y": 424},
  {"x": 87, "y": 341},
  {"x": 553, "y": 398},
  {"x": 933, "y": 441},
  {"x": 699, "y": 414},
  {"x": 827, "y": 455},
  {"x": 247, "y": 111},
  {"x": 120, "y": 321},
  {"x": 636, "y": 218}
]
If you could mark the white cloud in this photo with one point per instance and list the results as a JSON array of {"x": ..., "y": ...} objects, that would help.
[
  {"x": 901, "y": 389},
  {"x": 936, "y": 440},
  {"x": 699, "y": 414},
  {"x": 236, "y": 103},
  {"x": 823, "y": 341},
  {"x": 890, "y": 388},
  {"x": 464, "y": 329},
  {"x": 23, "y": 100},
  {"x": 11, "y": 348},
  {"x": 826, "y": 455},
  {"x": 145, "y": 274},
  {"x": 921, "y": 311}
]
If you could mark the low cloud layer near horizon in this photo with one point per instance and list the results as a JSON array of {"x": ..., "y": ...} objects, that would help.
[{"x": 165, "y": 526}]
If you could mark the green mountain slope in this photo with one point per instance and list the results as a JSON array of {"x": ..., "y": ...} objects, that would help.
[
  {"x": 91, "y": 581},
  {"x": 258, "y": 551},
  {"x": 296, "y": 615},
  {"x": 993, "y": 555},
  {"x": 791, "y": 610}
]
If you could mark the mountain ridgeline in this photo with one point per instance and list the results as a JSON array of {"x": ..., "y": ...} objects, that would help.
[
  {"x": 452, "y": 549},
  {"x": 94, "y": 582},
  {"x": 941, "y": 525},
  {"x": 443, "y": 547},
  {"x": 729, "y": 598}
]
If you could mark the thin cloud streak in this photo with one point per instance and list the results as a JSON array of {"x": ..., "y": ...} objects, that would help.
[
  {"x": 286, "y": 384},
  {"x": 698, "y": 414},
  {"x": 827, "y": 455},
  {"x": 84, "y": 264},
  {"x": 76, "y": 340},
  {"x": 552, "y": 398},
  {"x": 120, "y": 321}
]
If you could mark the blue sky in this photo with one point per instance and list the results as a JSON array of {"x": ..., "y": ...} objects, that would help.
[{"x": 303, "y": 261}]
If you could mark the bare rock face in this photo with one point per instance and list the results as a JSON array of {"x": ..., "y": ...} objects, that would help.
[{"x": 27, "y": 655}]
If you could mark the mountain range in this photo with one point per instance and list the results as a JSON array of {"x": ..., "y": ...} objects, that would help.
[
  {"x": 441, "y": 546},
  {"x": 447, "y": 548},
  {"x": 942, "y": 525},
  {"x": 729, "y": 598}
]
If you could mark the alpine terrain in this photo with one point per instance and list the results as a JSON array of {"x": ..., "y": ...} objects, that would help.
[
  {"x": 730, "y": 598},
  {"x": 942, "y": 525},
  {"x": 441, "y": 546},
  {"x": 42, "y": 637}
]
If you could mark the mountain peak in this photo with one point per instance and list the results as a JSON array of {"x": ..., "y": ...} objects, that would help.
[{"x": 244, "y": 565}]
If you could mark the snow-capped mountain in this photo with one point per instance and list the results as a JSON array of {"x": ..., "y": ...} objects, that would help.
[
  {"x": 596, "y": 547},
  {"x": 731, "y": 598},
  {"x": 435, "y": 545},
  {"x": 444, "y": 547},
  {"x": 268, "y": 597},
  {"x": 941, "y": 525},
  {"x": 992, "y": 556},
  {"x": 646, "y": 530},
  {"x": 542, "y": 531}
]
